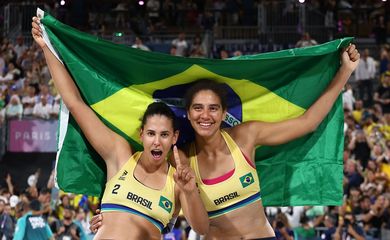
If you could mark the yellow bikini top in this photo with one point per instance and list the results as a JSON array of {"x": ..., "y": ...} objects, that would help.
[
  {"x": 226, "y": 195},
  {"x": 125, "y": 193}
]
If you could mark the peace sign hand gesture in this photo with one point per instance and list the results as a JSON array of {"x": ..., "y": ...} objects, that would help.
[{"x": 184, "y": 175}]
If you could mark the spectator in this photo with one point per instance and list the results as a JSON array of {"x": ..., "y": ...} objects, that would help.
[
  {"x": 223, "y": 54},
  {"x": 237, "y": 53},
  {"x": 374, "y": 218},
  {"x": 32, "y": 225},
  {"x": 20, "y": 47},
  {"x": 365, "y": 75},
  {"x": 7, "y": 222},
  {"x": 181, "y": 45},
  {"x": 64, "y": 203},
  {"x": 139, "y": 44},
  {"x": 348, "y": 98},
  {"x": 360, "y": 147},
  {"x": 369, "y": 182},
  {"x": 357, "y": 113},
  {"x": 305, "y": 231},
  {"x": 348, "y": 229},
  {"x": 44, "y": 92},
  {"x": 306, "y": 41},
  {"x": 382, "y": 94},
  {"x": 44, "y": 198},
  {"x": 14, "y": 109},
  {"x": 30, "y": 100},
  {"x": 282, "y": 227},
  {"x": 9, "y": 52},
  {"x": 82, "y": 223},
  {"x": 362, "y": 211},
  {"x": 293, "y": 215},
  {"x": 314, "y": 213},
  {"x": 197, "y": 48},
  {"x": 42, "y": 109},
  {"x": 26, "y": 60},
  {"x": 67, "y": 229},
  {"x": 12, "y": 73},
  {"x": 353, "y": 175},
  {"x": 330, "y": 224}
]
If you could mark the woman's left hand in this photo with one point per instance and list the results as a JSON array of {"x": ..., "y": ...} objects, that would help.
[{"x": 184, "y": 175}]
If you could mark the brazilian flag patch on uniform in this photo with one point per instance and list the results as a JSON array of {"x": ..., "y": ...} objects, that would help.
[
  {"x": 165, "y": 204},
  {"x": 246, "y": 180}
]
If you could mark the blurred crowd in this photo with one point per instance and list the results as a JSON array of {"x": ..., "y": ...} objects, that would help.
[
  {"x": 44, "y": 213},
  {"x": 25, "y": 87},
  {"x": 151, "y": 16}
]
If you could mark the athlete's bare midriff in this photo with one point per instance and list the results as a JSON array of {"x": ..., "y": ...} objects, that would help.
[
  {"x": 121, "y": 225},
  {"x": 248, "y": 222}
]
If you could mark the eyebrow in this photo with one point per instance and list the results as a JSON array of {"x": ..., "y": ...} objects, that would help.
[
  {"x": 201, "y": 105},
  {"x": 197, "y": 105},
  {"x": 153, "y": 131},
  {"x": 215, "y": 105}
]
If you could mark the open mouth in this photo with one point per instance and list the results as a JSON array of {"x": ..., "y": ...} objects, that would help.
[{"x": 156, "y": 154}]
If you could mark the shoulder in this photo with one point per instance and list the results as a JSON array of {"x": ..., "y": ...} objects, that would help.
[
  {"x": 246, "y": 135},
  {"x": 22, "y": 220},
  {"x": 244, "y": 129}
]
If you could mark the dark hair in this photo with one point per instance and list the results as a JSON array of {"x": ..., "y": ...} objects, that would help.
[
  {"x": 20, "y": 206},
  {"x": 70, "y": 207},
  {"x": 331, "y": 218},
  {"x": 159, "y": 108},
  {"x": 364, "y": 197},
  {"x": 206, "y": 84},
  {"x": 35, "y": 86},
  {"x": 35, "y": 205},
  {"x": 44, "y": 191},
  {"x": 303, "y": 219}
]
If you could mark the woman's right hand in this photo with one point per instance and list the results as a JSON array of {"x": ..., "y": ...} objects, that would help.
[
  {"x": 36, "y": 32},
  {"x": 95, "y": 222}
]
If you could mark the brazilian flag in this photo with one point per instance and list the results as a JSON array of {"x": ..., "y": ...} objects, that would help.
[{"x": 118, "y": 82}]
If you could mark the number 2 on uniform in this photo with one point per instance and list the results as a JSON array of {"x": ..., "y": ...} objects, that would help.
[{"x": 116, "y": 187}]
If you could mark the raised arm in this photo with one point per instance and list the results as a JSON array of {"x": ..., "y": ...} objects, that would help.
[
  {"x": 10, "y": 186},
  {"x": 112, "y": 148},
  {"x": 284, "y": 131},
  {"x": 188, "y": 193}
]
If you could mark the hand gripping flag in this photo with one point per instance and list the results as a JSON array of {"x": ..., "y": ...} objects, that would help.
[{"x": 118, "y": 82}]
